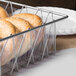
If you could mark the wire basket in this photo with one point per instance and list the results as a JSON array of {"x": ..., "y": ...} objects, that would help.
[{"x": 41, "y": 46}]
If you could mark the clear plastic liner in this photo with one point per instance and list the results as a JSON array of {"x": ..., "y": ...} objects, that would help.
[{"x": 40, "y": 44}]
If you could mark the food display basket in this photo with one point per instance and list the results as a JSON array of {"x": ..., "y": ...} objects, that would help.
[{"x": 37, "y": 51}]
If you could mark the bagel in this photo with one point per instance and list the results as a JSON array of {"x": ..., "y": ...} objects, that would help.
[
  {"x": 10, "y": 26},
  {"x": 9, "y": 54},
  {"x": 19, "y": 23},
  {"x": 3, "y": 13},
  {"x": 33, "y": 19},
  {"x": 6, "y": 29}
]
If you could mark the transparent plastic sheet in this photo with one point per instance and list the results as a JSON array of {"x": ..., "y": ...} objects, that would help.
[
  {"x": 37, "y": 50},
  {"x": 37, "y": 43}
]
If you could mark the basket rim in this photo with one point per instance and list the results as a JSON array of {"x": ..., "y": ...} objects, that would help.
[{"x": 46, "y": 24}]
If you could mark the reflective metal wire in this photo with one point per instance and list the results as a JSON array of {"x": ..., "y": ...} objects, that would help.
[
  {"x": 19, "y": 50},
  {"x": 33, "y": 47}
]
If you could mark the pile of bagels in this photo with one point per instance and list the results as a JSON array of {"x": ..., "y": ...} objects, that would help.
[{"x": 10, "y": 25}]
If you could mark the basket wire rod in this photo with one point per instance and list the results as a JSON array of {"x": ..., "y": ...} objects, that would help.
[
  {"x": 35, "y": 33},
  {"x": 11, "y": 8},
  {"x": 21, "y": 9},
  {"x": 45, "y": 38},
  {"x": 54, "y": 37},
  {"x": 18, "y": 52},
  {"x": 41, "y": 45},
  {"x": 34, "y": 47},
  {"x": 52, "y": 17},
  {"x": 7, "y": 6},
  {"x": 31, "y": 45},
  {"x": 41, "y": 16},
  {"x": 3, "y": 48},
  {"x": 45, "y": 28},
  {"x": 46, "y": 43},
  {"x": 37, "y": 11},
  {"x": 15, "y": 54},
  {"x": 47, "y": 51},
  {"x": 2, "y": 54},
  {"x": 44, "y": 48},
  {"x": 26, "y": 9},
  {"x": 46, "y": 18},
  {"x": 51, "y": 41}
]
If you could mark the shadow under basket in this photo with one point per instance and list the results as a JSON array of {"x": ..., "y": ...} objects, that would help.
[{"x": 40, "y": 44}]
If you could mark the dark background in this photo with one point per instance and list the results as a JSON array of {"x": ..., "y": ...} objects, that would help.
[{"x": 57, "y": 3}]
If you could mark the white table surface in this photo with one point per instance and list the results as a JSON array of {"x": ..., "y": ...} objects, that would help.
[{"x": 62, "y": 64}]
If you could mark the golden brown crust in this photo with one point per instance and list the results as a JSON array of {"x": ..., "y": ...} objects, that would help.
[
  {"x": 33, "y": 19},
  {"x": 10, "y": 26},
  {"x": 20, "y": 24},
  {"x": 3, "y": 13},
  {"x": 9, "y": 52},
  {"x": 6, "y": 28}
]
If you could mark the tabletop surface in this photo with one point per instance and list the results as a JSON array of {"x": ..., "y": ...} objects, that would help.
[{"x": 62, "y": 64}]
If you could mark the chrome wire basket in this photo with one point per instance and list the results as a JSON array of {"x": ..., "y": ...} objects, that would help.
[{"x": 37, "y": 51}]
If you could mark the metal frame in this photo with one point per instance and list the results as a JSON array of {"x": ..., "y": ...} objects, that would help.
[{"x": 56, "y": 13}]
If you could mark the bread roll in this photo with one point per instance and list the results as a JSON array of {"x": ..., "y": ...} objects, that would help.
[
  {"x": 9, "y": 25},
  {"x": 19, "y": 23},
  {"x": 33, "y": 19},
  {"x": 6, "y": 29},
  {"x": 9, "y": 53},
  {"x": 3, "y": 13}
]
